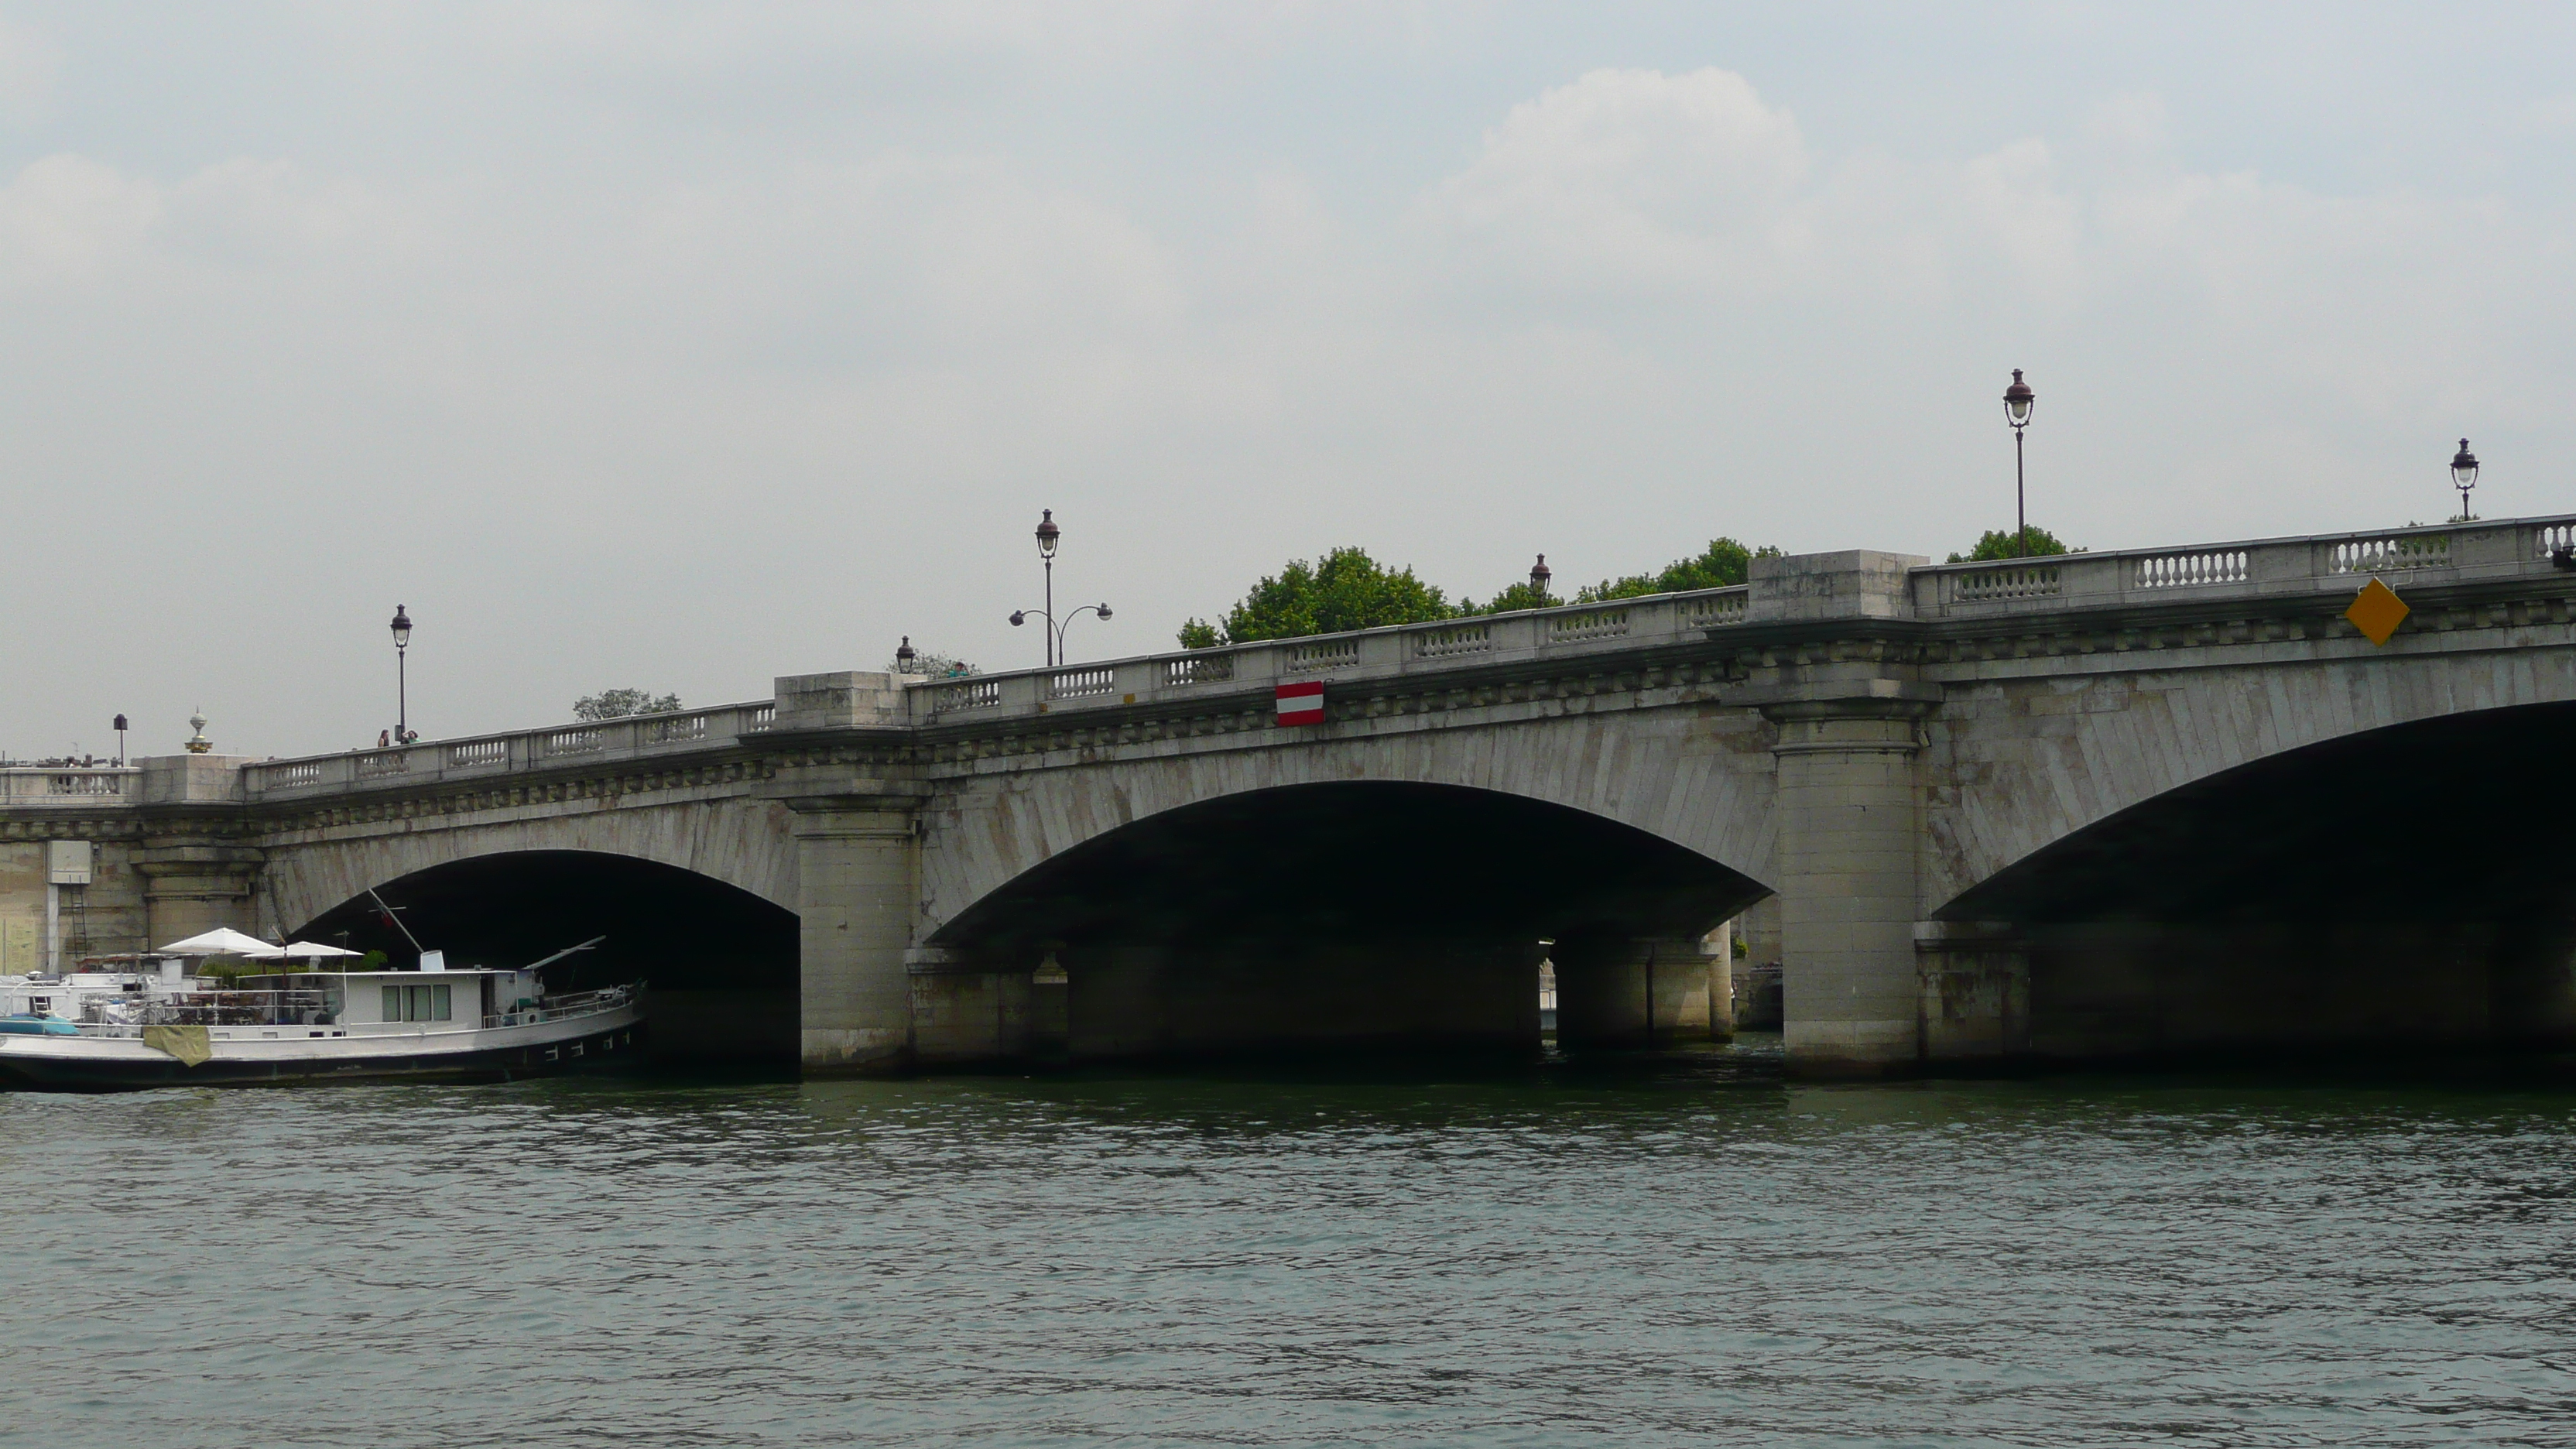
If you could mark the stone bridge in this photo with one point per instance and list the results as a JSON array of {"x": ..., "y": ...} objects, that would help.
[{"x": 2101, "y": 805}]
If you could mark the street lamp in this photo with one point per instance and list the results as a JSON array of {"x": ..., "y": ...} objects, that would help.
[
  {"x": 402, "y": 678},
  {"x": 904, "y": 656},
  {"x": 1539, "y": 576},
  {"x": 2017, "y": 404},
  {"x": 1048, "y": 533},
  {"x": 1055, "y": 631},
  {"x": 120, "y": 741},
  {"x": 2464, "y": 476}
]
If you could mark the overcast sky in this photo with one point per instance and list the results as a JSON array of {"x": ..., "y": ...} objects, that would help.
[{"x": 680, "y": 346}]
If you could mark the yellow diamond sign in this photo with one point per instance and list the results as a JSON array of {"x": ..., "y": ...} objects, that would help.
[{"x": 2377, "y": 611}]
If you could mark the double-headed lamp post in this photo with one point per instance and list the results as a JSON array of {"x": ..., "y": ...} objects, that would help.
[
  {"x": 1048, "y": 536},
  {"x": 402, "y": 677},
  {"x": 2018, "y": 399},
  {"x": 2464, "y": 476}
]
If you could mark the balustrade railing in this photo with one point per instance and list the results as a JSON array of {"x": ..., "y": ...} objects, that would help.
[
  {"x": 1080, "y": 683},
  {"x": 973, "y": 694},
  {"x": 430, "y": 761},
  {"x": 2184, "y": 570},
  {"x": 478, "y": 754},
  {"x": 1200, "y": 668},
  {"x": 2319, "y": 564},
  {"x": 1449, "y": 643},
  {"x": 2326, "y": 565},
  {"x": 1322, "y": 654},
  {"x": 1587, "y": 624},
  {"x": 83, "y": 785},
  {"x": 2013, "y": 581}
]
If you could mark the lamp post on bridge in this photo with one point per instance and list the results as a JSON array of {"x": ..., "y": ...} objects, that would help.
[
  {"x": 1048, "y": 536},
  {"x": 1055, "y": 631},
  {"x": 2018, "y": 400},
  {"x": 402, "y": 676},
  {"x": 120, "y": 742},
  {"x": 2464, "y": 476},
  {"x": 1539, "y": 575}
]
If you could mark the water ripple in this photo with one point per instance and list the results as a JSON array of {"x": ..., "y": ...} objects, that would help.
[{"x": 1697, "y": 1253}]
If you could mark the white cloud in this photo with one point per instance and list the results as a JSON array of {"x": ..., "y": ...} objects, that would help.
[
  {"x": 1632, "y": 180},
  {"x": 71, "y": 219}
]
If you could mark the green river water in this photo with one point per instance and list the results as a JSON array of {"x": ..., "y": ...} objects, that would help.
[{"x": 1651, "y": 1251}]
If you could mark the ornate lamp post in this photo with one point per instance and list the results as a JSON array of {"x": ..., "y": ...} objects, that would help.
[
  {"x": 2464, "y": 476},
  {"x": 2018, "y": 399},
  {"x": 402, "y": 676},
  {"x": 904, "y": 656},
  {"x": 1048, "y": 533},
  {"x": 1539, "y": 576},
  {"x": 120, "y": 741}
]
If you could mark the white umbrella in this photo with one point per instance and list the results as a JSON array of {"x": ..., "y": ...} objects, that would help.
[
  {"x": 294, "y": 949},
  {"x": 222, "y": 941}
]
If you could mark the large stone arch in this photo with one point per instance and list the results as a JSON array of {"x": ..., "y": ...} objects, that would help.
[
  {"x": 721, "y": 962},
  {"x": 2032, "y": 761},
  {"x": 743, "y": 842},
  {"x": 1699, "y": 778},
  {"x": 2412, "y": 883}
]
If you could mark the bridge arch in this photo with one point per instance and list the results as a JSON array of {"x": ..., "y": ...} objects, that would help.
[
  {"x": 1699, "y": 779},
  {"x": 721, "y": 961},
  {"x": 2031, "y": 761},
  {"x": 743, "y": 842},
  {"x": 2413, "y": 881},
  {"x": 1340, "y": 912}
]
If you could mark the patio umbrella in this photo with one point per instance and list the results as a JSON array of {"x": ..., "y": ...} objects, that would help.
[{"x": 222, "y": 941}]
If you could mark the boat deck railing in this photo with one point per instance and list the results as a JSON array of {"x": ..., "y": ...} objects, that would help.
[
  {"x": 128, "y": 1015},
  {"x": 557, "y": 1008}
]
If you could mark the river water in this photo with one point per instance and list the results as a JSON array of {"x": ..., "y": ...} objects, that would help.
[{"x": 1657, "y": 1251}]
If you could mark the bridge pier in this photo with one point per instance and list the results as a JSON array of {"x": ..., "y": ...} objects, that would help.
[
  {"x": 1639, "y": 991},
  {"x": 856, "y": 888},
  {"x": 1848, "y": 834}
]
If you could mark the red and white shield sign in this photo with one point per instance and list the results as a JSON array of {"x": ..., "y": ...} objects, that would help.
[{"x": 1301, "y": 704}]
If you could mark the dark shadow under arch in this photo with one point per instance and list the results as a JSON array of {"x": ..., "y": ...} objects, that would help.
[
  {"x": 2410, "y": 884},
  {"x": 722, "y": 961},
  {"x": 1358, "y": 858},
  {"x": 1356, "y": 915}
]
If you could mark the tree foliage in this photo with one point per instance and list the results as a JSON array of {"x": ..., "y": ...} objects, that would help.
[
  {"x": 1344, "y": 590},
  {"x": 932, "y": 664},
  {"x": 1723, "y": 564},
  {"x": 619, "y": 703},
  {"x": 2002, "y": 543}
]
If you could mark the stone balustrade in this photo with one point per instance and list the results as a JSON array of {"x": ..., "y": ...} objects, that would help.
[
  {"x": 73, "y": 787},
  {"x": 1571, "y": 633},
  {"x": 2321, "y": 564},
  {"x": 430, "y": 762}
]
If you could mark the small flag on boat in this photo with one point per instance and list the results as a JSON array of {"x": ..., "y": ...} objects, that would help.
[{"x": 1301, "y": 704}]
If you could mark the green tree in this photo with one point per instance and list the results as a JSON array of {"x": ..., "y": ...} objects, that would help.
[
  {"x": 2001, "y": 543},
  {"x": 1723, "y": 564},
  {"x": 1518, "y": 596},
  {"x": 619, "y": 703},
  {"x": 1343, "y": 590},
  {"x": 935, "y": 665}
]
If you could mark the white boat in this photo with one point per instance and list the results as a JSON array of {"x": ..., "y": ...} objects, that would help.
[{"x": 107, "y": 1030}]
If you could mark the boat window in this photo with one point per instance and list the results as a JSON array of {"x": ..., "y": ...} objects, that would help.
[{"x": 419, "y": 1003}]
